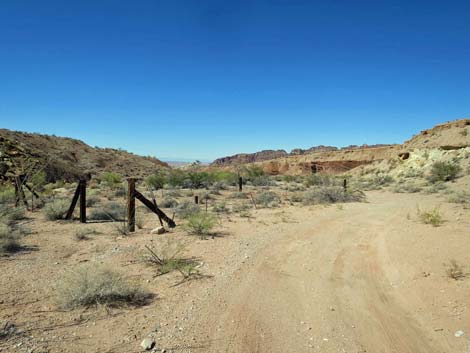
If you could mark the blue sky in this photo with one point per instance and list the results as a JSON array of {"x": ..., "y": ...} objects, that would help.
[{"x": 203, "y": 79}]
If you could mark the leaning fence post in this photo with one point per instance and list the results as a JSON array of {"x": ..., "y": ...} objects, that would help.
[
  {"x": 83, "y": 201},
  {"x": 131, "y": 204}
]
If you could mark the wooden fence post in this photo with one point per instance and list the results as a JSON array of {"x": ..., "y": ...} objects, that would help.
[
  {"x": 196, "y": 200},
  {"x": 83, "y": 201},
  {"x": 131, "y": 204},
  {"x": 345, "y": 185},
  {"x": 74, "y": 201},
  {"x": 240, "y": 184}
]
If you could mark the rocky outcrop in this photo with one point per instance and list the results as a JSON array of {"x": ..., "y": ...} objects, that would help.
[{"x": 244, "y": 158}]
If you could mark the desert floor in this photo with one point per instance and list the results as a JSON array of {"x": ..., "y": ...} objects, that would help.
[{"x": 359, "y": 277}]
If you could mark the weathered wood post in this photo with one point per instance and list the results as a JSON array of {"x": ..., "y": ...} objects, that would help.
[
  {"x": 345, "y": 185},
  {"x": 74, "y": 201},
  {"x": 82, "y": 200},
  {"x": 240, "y": 184},
  {"x": 131, "y": 204},
  {"x": 17, "y": 195},
  {"x": 196, "y": 199}
]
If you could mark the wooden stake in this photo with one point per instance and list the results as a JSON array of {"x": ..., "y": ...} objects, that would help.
[
  {"x": 196, "y": 200},
  {"x": 345, "y": 185},
  {"x": 74, "y": 202},
  {"x": 82, "y": 201},
  {"x": 131, "y": 204},
  {"x": 240, "y": 184}
]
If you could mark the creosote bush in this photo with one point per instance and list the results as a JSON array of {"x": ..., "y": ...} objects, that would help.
[
  {"x": 56, "y": 209},
  {"x": 331, "y": 194},
  {"x": 111, "y": 211},
  {"x": 186, "y": 208},
  {"x": 200, "y": 223},
  {"x": 444, "y": 171},
  {"x": 91, "y": 285},
  {"x": 433, "y": 217},
  {"x": 9, "y": 240},
  {"x": 267, "y": 199}
]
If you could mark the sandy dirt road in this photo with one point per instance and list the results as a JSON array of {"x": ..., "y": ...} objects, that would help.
[{"x": 343, "y": 281}]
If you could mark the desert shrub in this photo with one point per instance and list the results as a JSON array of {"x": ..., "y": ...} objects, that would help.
[
  {"x": 267, "y": 199},
  {"x": 156, "y": 181},
  {"x": 120, "y": 190},
  {"x": 200, "y": 223},
  {"x": 121, "y": 227},
  {"x": 296, "y": 197},
  {"x": 238, "y": 195},
  {"x": 176, "y": 178},
  {"x": 56, "y": 209},
  {"x": 331, "y": 194},
  {"x": 295, "y": 187},
  {"x": 91, "y": 285},
  {"x": 444, "y": 171},
  {"x": 168, "y": 203},
  {"x": 406, "y": 187},
  {"x": 224, "y": 178},
  {"x": 92, "y": 200},
  {"x": 261, "y": 181},
  {"x": 435, "y": 188},
  {"x": 186, "y": 209},
  {"x": 461, "y": 197},
  {"x": 455, "y": 271},
  {"x": 9, "y": 240},
  {"x": 110, "y": 211},
  {"x": 320, "y": 180},
  {"x": 220, "y": 207},
  {"x": 464, "y": 132},
  {"x": 198, "y": 180},
  {"x": 243, "y": 209},
  {"x": 85, "y": 233},
  {"x": 111, "y": 179},
  {"x": 433, "y": 217},
  {"x": 7, "y": 195},
  {"x": 173, "y": 193},
  {"x": 218, "y": 186},
  {"x": 167, "y": 257},
  {"x": 10, "y": 215}
]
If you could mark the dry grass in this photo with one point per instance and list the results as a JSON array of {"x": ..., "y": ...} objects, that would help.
[
  {"x": 455, "y": 271},
  {"x": 433, "y": 217},
  {"x": 91, "y": 285}
]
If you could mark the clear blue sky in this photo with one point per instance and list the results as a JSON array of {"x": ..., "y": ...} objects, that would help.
[{"x": 203, "y": 79}]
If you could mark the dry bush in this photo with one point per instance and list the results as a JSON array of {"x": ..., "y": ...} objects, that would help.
[
  {"x": 85, "y": 233},
  {"x": 433, "y": 217},
  {"x": 455, "y": 271},
  {"x": 167, "y": 257},
  {"x": 9, "y": 240},
  {"x": 331, "y": 194},
  {"x": 91, "y": 285},
  {"x": 186, "y": 208},
  {"x": 110, "y": 211},
  {"x": 168, "y": 202},
  {"x": 56, "y": 209},
  {"x": 461, "y": 197},
  {"x": 406, "y": 187},
  {"x": 267, "y": 199},
  {"x": 238, "y": 195},
  {"x": 220, "y": 207}
]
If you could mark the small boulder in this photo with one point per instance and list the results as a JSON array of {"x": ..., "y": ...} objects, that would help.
[
  {"x": 148, "y": 344},
  {"x": 158, "y": 230}
]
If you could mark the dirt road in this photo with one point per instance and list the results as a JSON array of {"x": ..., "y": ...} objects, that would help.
[{"x": 341, "y": 280}]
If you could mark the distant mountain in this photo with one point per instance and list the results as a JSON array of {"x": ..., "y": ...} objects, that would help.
[{"x": 67, "y": 158}]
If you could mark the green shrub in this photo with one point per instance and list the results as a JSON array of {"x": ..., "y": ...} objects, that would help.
[
  {"x": 220, "y": 207},
  {"x": 91, "y": 285},
  {"x": 320, "y": 180},
  {"x": 200, "y": 223},
  {"x": 238, "y": 195},
  {"x": 461, "y": 197},
  {"x": 167, "y": 257},
  {"x": 56, "y": 209},
  {"x": 267, "y": 199},
  {"x": 331, "y": 194},
  {"x": 111, "y": 179},
  {"x": 444, "y": 171},
  {"x": 156, "y": 181},
  {"x": 7, "y": 195},
  {"x": 92, "y": 200},
  {"x": 433, "y": 217},
  {"x": 406, "y": 187}
]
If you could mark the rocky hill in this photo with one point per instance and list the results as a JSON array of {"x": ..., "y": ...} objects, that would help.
[
  {"x": 451, "y": 135},
  {"x": 67, "y": 158}
]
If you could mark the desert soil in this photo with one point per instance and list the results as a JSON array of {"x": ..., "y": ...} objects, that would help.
[{"x": 361, "y": 277}]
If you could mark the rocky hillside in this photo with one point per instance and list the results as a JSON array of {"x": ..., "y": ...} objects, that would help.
[
  {"x": 451, "y": 135},
  {"x": 66, "y": 158}
]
